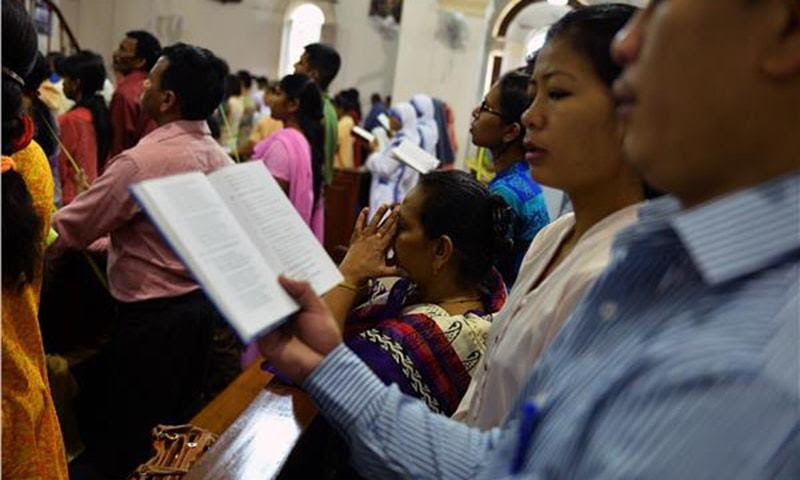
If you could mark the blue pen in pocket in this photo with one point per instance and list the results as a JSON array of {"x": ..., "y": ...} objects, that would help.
[{"x": 530, "y": 416}]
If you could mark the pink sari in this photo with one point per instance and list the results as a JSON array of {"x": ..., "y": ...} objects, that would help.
[{"x": 287, "y": 155}]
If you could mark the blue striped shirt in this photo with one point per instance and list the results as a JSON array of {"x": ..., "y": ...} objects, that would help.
[{"x": 683, "y": 361}]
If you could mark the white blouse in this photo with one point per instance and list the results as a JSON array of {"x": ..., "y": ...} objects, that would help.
[{"x": 531, "y": 318}]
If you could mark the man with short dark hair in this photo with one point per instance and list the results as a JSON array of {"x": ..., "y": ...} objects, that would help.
[
  {"x": 162, "y": 336},
  {"x": 682, "y": 360},
  {"x": 135, "y": 56},
  {"x": 377, "y": 107},
  {"x": 321, "y": 62}
]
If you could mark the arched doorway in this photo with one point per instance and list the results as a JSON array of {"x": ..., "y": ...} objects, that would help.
[{"x": 519, "y": 28}]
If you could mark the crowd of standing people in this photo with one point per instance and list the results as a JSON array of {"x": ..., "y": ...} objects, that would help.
[{"x": 650, "y": 332}]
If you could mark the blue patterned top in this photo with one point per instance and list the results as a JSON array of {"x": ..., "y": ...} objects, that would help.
[{"x": 526, "y": 199}]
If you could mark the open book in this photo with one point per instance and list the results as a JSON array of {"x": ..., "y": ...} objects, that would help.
[
  {"x": 363, "y": 134},
  {"x": 413, "y": 156},
  {"x": 236, "y": 231}
]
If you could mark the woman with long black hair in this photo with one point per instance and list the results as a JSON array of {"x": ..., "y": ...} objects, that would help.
[
  {"x": 295, "y": 154},
  {"x": 86, "y": 128}
]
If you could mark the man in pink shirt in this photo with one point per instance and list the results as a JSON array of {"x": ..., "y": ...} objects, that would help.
[
  {"x": 162, "y": 338},
  {"x": 135, "y": 56}
]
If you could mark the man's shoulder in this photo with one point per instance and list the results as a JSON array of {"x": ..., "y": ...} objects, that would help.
[
  {"x": 184, "y": 154},
  {"x": 75, "y": 116},
  {"x": 129, "y": 88},
  {"x": 749, "y": 330}
]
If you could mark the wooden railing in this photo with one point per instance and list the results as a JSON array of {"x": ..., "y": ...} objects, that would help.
[
  {"x": 260, "y": 423},
  {"x": 71, "y": 44}
]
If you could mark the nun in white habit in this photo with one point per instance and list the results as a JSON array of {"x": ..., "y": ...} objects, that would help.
[
  {"x": 426, "y": 122},
  {"x": 392, "y": 180}
]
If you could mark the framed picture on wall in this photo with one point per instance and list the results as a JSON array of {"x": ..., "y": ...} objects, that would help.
[{"x": 386, "y": 8}]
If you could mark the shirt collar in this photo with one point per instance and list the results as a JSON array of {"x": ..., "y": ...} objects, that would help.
[
  {"x": 744, "y": 232},
  {"x": 176, "y": 128},
  {"x": 134, "y": 76},
  {"x": 512, "y": 170}
]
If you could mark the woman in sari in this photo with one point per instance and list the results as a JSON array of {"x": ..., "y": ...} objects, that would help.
[
  {"x": 294, "y": 155},
  {"x": 426, "y": 331},
  {"x": 32, "y": 444}
]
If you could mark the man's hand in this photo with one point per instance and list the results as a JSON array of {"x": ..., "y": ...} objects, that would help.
[{"x": 298, "y": 347}]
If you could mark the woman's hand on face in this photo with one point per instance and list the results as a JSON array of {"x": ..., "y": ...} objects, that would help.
[
  {"x": 366, "y": 257},
  {"x": 298, "y": 346}
]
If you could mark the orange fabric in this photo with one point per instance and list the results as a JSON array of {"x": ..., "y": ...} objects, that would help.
[
  {"x": 32, "y": 443},
  {"x": 80, "y": 139}
]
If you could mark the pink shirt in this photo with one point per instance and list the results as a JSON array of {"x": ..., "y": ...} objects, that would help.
[
  {"x": 287, "y": 155},
  {"x": 79, "y": 138},
  {"x": 141, "y": 265}
]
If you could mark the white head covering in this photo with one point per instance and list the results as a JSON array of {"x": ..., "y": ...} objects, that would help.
[
  {"x": 408, "y": 117},
  {"x": 429, "y": 131},
  {"x": 391, "y": 180}
]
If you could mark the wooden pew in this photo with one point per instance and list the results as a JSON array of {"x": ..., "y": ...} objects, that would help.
[
  {"x": 259, "y": 421},
  {"x": 344, "y": 198}
]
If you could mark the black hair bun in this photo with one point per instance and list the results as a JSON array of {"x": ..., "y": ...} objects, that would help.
[{"x": 502, "y": 226}]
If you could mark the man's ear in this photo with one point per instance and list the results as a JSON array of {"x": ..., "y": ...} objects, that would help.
[
  {"x": 139, "y": 63},
  {"x": 783, "y": 59},
  {"x": 314, "y": 75},
  {"x": 169, "y": 101}
]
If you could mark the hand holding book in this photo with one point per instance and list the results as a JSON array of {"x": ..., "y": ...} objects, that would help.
[
  {"x": 236, "y": 232},
  {"x": 298, "y": 347}
]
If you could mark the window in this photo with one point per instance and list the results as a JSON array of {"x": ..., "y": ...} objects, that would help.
[{"x": 303, "y": 27}]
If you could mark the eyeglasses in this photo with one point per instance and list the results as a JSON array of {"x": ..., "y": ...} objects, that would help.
[{"x": 486, "y": 108}]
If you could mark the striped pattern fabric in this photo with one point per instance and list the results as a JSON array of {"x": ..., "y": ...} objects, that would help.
[
  {"x": 424, "y": 350},
  {"x": 683, "y": 361}
]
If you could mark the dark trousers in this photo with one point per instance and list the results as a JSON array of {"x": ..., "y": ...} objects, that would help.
[{"x": 166, "y": 365}]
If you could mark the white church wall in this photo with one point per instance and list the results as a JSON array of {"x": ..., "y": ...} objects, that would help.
[
  {"x": 368, "y": 57},
  {"x": 426, "y": 65},
  {"x": 247, "y": 34}
]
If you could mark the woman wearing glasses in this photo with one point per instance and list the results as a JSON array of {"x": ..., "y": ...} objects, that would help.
[{"x": 496, "y": 126}]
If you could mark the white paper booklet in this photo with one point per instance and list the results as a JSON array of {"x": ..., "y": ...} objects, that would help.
[
  {"x": 363, "y": 134},
  {"x": 415, "y": 157},
  {"x": 383, "y": 119},
  {"x": 236, "y": 231}
]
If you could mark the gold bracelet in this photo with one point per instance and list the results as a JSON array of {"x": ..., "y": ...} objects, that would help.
[{"x": 349, "y": 286}]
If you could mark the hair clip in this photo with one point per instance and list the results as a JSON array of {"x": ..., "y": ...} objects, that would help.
[{"x": 14, "y": 76}]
